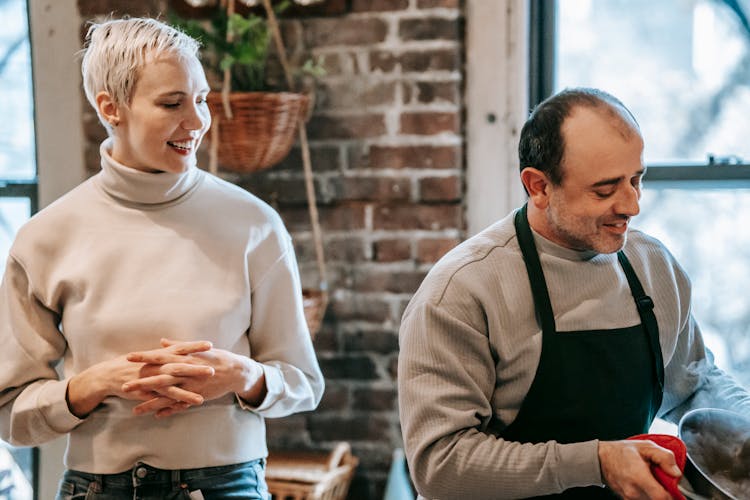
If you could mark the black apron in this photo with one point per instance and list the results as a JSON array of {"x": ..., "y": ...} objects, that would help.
[{"x": 594, "y": 384}]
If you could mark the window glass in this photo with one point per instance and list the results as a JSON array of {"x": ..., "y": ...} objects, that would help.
[
  {"x": 17, "y": 156},
  {"x": 683, "y": 69},
  {"x": 17, "y": 163},
  {"x": 703, "y": 231},
  {"x": 681, "y": 66},
  {"x": 13, "y": 213}
]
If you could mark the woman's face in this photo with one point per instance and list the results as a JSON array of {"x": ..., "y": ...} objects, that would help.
[{"x": 162, "y": 127}]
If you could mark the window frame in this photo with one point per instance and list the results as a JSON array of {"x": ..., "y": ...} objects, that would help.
[
  {"x": 721, "y": 172},
  {"x": 27, "y": 188},
  {"x": 11, "y": 188}
]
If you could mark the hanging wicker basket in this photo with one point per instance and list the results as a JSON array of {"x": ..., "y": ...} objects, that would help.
[
  {"x": 315, "y": 303},
  {"x": 260, "y": 132}
]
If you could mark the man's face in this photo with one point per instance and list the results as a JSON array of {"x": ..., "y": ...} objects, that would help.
[{"x": 602, "y": 169}]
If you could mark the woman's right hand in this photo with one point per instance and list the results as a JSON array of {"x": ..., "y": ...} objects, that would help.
[{"x": 86, "y": 390}]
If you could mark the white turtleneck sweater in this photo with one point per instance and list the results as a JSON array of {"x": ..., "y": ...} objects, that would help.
[{"x": 127, "y": 258}]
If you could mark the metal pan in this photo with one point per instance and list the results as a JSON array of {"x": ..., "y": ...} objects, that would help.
[{"x": 718, "y": 452}]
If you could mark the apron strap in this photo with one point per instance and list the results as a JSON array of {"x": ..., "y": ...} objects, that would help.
[
  {"x": 534, "y": 270},
  {"x": 646, "y": 311}
]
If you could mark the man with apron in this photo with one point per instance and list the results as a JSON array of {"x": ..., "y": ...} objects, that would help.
[{"x": 535, "y": 348}]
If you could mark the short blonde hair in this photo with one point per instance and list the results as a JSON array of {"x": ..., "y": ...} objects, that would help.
[{"x": 116, "y": 50}]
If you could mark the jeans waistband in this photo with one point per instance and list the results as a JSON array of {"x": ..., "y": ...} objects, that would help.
[{"x": 143, "y": 474}]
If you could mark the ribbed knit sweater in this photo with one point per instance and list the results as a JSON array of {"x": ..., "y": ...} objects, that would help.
[
  {"x": 470, "y": 345},
  {"x": 127, "y": 258}
]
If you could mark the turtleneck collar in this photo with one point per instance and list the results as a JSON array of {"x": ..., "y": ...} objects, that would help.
[
  {"x": 544, "y": 245},
  {"x": 144, "y": 188}
]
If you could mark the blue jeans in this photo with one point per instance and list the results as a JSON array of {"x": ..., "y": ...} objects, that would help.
[{"x": 239, "y": 481}]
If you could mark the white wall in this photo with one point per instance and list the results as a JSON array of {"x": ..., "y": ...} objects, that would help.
[
  {"x": 59, "y": 138},
  {"x": 57, "y": 95},
  {"x": 496, "y": 86}
]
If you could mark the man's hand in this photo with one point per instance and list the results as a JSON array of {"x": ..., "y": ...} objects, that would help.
[
  {"x": 626, "y": 468},
  {"x": 232, "y": 373}
]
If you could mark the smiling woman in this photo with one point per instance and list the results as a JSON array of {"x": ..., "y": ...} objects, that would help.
[{"x": 187, "y": 306}]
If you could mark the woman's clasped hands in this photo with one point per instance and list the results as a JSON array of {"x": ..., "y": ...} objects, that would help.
[
  {"x": 169, "y": 379},
  {"x": 183, "y": 374}
]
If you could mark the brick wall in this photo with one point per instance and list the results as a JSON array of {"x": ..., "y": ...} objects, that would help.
[{"x": 386, "y": 143}]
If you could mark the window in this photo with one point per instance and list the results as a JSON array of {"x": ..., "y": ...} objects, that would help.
[
  {"x": 18, "y": 187},
  {"x": 683, "y": 69}
]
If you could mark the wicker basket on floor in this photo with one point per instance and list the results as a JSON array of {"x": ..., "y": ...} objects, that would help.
[
  {"x": 311, "y": 476},
  {"x": 261, "y": 131}
]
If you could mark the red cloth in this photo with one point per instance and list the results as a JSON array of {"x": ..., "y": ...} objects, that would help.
[{"x": 676, "y": 446}]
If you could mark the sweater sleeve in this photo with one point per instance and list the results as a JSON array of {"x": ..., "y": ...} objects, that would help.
[
  {"x": 446, "y": 381},
  {"x": 33, "y": 408},
  {"x": 280, "y": 339}
]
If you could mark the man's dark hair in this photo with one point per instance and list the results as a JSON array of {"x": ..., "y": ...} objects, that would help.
[{"x": 542, "y": 146}]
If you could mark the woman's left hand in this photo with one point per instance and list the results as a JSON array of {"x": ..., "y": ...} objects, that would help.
[{"x": 233, "y": 373}]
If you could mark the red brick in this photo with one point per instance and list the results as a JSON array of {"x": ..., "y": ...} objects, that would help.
[
  {"x": 344, "y": 31},
  {"x": 371, "y": 188},
  {"x": 348, "y": 428},
  {"x": 332, "y": 64},
  {"x": 393, "y": 368},
  {"x": 374, "y": 399},
  {"x": 275, "y": 191},
  {"x": 383, "y": 342},
  {"x": 356, "y": 93},
  {"x": 384, "y": 61},
  {"x": 429, "y": 123},
  {"x": 360, "y": 307},
  {"x": 378, "y": 5},
  {"x": 374, "y": 456},
  {"x": 93, "y": 129},
  {"x": 440, "y": 188},
  {"x": 438, "y": 157},
  {"x": 335, "y": 397},
  {"x": 431, "y": 4},
  {"x": 349, "y": 249},
  {"x": 289, "y": 432},
  {"x": 336, "y": 218},
  {"x": 92, "y": 158},
  {"x": 346, "y": 127},
  {"x": 119, "y": 8},
  {"x": 430, "y": 60},
  {"x": 430, "y": 250},
  {"x": 325, "y": 8},
  {"x": 366, "y": 486},
  {"x": 326, "y": 340},
  {"x": 431, "y": 28},
  {"x": 391, "y": 250},
  {"x": 357, "y": 367},
  {"x": 382, "y": 280},
  {"x": 427, "y": 217},
  {"x": 322, "y": 159},
  {"x": 429, "y": 92}
]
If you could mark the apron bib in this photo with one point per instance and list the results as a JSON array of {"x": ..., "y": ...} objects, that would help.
[{"x": 591, "y": 384}]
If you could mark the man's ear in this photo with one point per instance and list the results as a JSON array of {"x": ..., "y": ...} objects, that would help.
[
  {"x": 537, "y": 185},
  {"x": 108, "y": 108}
]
